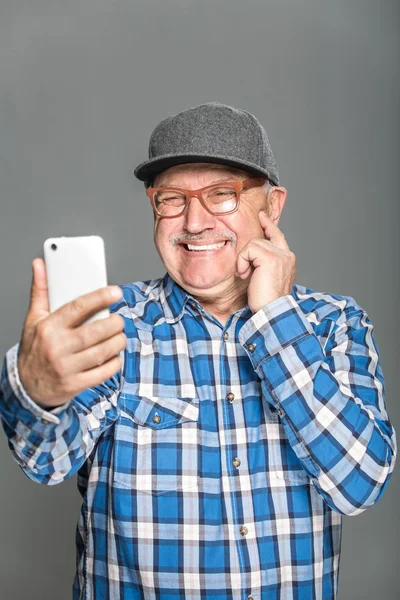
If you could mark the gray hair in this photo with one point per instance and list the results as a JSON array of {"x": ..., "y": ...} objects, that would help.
[{"x": 267, "y": 186}]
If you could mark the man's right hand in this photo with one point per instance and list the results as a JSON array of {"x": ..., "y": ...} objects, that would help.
[{"x": 59, "y": 355}]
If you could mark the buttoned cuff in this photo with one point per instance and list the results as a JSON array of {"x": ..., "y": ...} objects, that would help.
[
  {"x": 45, "y": 416},
  {"x": 275, "y": 326}
]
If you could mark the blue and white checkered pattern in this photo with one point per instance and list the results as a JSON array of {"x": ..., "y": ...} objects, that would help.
[{"x": 219, "y": 462}]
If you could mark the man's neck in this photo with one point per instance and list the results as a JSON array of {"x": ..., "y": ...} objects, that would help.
[{"x": 221, "y": 308}]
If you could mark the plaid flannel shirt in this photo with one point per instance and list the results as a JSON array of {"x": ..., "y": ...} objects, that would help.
[{"x": 219, "y": 461}]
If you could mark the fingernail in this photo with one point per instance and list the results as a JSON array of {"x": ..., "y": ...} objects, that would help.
[{"x": 116, "y": 291}]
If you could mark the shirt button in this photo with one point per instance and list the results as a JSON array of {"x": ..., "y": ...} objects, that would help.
[
  {"x": 226, "y": 335},
  {"x": 251, "y": 347},
  {"x": 250, "y": 598},
  {"x": 30, "y": 451},
  {"x": 278, "y": 410},
  {"x": 244, "y": 531},
  {"x": 157, "y": 419},
  {"x": 230, "y": 397},
  {"x": 193, "y": 304},
  {"x": 236, "y": 462},
  {"x": 45, "y": 422}
]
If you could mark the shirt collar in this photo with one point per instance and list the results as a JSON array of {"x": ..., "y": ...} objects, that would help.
[{"x": 173, "y": 299}]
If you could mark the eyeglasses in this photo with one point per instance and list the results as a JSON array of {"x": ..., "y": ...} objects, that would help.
[{"x": 218, "y": 199}]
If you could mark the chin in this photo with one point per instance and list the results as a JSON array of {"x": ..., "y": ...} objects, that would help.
[{"x": 201, "y": 281}]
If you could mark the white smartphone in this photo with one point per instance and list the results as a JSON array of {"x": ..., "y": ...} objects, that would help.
[{"x": 75, "y": 266}]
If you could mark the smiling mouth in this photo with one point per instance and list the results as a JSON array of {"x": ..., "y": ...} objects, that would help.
[{"x": 203, "y": 247}]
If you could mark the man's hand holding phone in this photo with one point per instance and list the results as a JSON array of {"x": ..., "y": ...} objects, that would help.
[{"x": 59, "y": 354}]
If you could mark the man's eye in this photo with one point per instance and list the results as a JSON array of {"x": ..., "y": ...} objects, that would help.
[
  {"x": 173, "y": 199},
  {"x": 222, "y": 194},
  {"x": 168, "y": 197}
]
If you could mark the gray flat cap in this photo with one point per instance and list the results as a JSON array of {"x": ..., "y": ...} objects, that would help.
[{"x": 211, "y": 132}]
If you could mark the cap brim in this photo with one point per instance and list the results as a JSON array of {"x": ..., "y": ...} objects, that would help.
[{"x": 148, "y": 169}]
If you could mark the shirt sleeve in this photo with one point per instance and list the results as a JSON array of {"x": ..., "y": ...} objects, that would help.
[
  {"x": 51, "y": 445},
  {"x": 330, "y": 398}
]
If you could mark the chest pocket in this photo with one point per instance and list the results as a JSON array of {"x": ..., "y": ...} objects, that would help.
[{"x": 156, "y": 444}]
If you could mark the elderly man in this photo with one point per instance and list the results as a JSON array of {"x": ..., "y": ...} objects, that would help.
[{"x": 234, "y": 416}]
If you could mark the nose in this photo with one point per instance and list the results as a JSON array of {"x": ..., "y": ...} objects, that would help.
[{"x": 197, "y": 218}]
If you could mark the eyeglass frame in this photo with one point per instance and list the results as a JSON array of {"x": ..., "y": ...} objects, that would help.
[{"x": 239, "y": 186}]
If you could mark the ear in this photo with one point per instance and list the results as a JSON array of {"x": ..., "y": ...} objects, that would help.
[{"x": 276, "y": 199}]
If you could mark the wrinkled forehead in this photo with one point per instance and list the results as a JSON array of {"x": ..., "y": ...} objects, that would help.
[{"x": 183, "y": 174}]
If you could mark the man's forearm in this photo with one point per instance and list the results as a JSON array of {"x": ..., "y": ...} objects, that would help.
[
  {"x": 330, "y": 400},
  {"x": 39, "y": 436}
]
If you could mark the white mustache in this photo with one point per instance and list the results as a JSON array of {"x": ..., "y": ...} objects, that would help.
[{"x": 191, "y": 237}]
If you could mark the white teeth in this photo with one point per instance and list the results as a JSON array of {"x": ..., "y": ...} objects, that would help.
[{"x": 209, "y": 247}]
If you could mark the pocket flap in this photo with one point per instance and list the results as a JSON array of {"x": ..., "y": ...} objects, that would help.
[{"x": 159, "y": 412}]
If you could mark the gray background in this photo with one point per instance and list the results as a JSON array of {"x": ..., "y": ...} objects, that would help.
[{"x": 82, "y": 85}]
